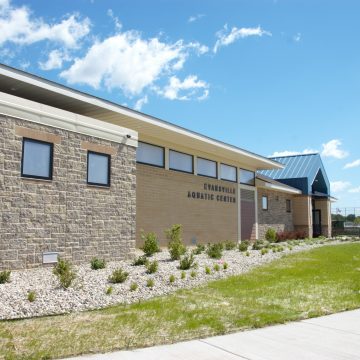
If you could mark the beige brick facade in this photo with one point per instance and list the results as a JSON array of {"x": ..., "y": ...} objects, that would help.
[{"x": 64, "y": 215}]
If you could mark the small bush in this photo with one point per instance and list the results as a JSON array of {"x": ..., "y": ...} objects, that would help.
[
  {"x": 5, "y": 276},
  {"x": 243, "y": 246},
  {"x": 264, "y": 251},
  {"x": 109, "y": 290},
  {"x": 207, "y": 270},
  {"x": 65, "y": 274},
  {"x": 187, "y": 262},
  {"x": 259, "y": 244},
  {"x": 175, "y": 245},
  {"x": 225, "y": 266},
  {"x": 217, "y": 267},
  {"x": 151, "y": 244},
  {"x": 150, "y": 283},
  {"x": 97, "y": 264},
  {"x": 31, "y": 296},
  {"x": 290, "y": 248},
  {"x": 172, "y": 279},
  {"x": 270, "y": 235},
  {"x": 133, "y": 286},
  {"x": 183, "y": 275},
  {"x": 152, "y": 267},
  {"x": 230, "y": 245},
  {"x": 141, "y": 260},
  {"x": 193, "y": 274},
  {"x": 200, "y": 248},
  {"x": 214, "y": 251},
  {"x": 247, "y": 253},
  {"x": 118, "y": 276}
]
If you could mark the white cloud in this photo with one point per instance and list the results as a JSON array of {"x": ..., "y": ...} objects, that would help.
[
  {"x": 353, "y": 164},
  {"x": 55, "y": 60},
  {"x": 195, "y": 18},
  {"x": 226, "y": 38},
  {"x": 191, "y": 87},
  {"x": 140, "y": 103},
  {"x": 339, "y": 186},
  {"x": 117, "y": 22},
  {"x": 297, "y": 37},
  {"x": 355, "y": 190},
  {"x": 332, "y": 149},
  {"x": 24, "y": 65},
  {"x": 128, "y": 62},
  {"x": 18, "y": 26},
  {"x": 291, "y": 153}
]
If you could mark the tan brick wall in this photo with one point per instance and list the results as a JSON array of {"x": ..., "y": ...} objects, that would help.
[
  {"x": 162, "y": 200},
  {"x": 302, "y": 209},
  {"x": 64, "y": 215},
  {"x": 276, "y": 216}
]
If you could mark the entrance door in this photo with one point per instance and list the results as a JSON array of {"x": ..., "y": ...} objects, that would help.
[{"x": 316, "y": 223}]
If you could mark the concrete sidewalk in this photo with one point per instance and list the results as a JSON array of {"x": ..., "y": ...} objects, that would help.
[{"x": 329, "y": 337}]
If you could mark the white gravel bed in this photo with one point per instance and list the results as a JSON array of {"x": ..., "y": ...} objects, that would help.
[{"x": 89, "y": 288}]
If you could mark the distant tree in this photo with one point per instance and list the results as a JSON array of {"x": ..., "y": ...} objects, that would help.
[
  {"x": 357, "y": 220},
  {"x": 337, "y": 217},
  {"x": 350, "y": 218}
]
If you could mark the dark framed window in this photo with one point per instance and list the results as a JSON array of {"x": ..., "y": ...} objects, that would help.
[
  {"x": 98, "y": 169},
  {"x": 37, "y": 159},
  {"x": 288, "y": 206},
  {"x": 228, "y": 172},
  {"x": 264, "y": 203},
  {"x": 247, "y": 177},
  {"x": 181, "y": 162},
  {"x": 206, "y": 167},
  {"x": 150, "y": 154}
]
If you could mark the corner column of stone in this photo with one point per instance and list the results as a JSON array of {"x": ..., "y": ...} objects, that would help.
[{"x": 302, "y": 214}]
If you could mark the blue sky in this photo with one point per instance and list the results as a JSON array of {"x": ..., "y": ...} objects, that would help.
[{"x": 269, "y": 76}]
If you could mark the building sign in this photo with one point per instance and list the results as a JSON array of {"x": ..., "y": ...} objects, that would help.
[{"x": 213, "y": 192}]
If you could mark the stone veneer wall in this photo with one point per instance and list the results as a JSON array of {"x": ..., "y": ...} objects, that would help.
[
  {"x": 276, "y": 216},
  {"x": 64, "y": 215}
]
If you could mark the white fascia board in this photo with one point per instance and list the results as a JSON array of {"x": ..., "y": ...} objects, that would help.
[
  {"x": 282, "y": 188},
  {"x": 46, "y": 115}
]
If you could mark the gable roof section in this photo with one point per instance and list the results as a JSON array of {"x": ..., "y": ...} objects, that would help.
[{"x": 300, "y": 171}]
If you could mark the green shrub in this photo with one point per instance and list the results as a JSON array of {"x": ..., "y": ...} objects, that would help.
[
  {"x": 5, "y": 276},
  {"x": 133, "y": 286},
  {"x": 207, "y": 270},
  {"x": 97, "y": 264},
  {"x": 247, "y": 253},
  {"x": 214, "y": 251},
  {"x": 200, "y": 248},
  {"x": 141, "y": 260},
  {"x": 187, "y": 261},
  {"x": 151, "y": 244},
  {"x": 118, "y": 276},
  {"x": 193, "y": 274},
  {"x": 225, "y": 266},
  {"x": 264, "y": 251},
  {"x": 259, "y": 244},
  {"x": 270, "y": 235},
  {"x": 150, "y": 283},
  {"x": 175, "y": 245},
  {"x": 31, "y": 296},
  {"x": 64, "y": 272},
  {"x": 290, "y": 248},
  {"x": 217, "y": 267},
  {"x": 183, "y": 275},
  {"x": 230, "y": 245},
  {"x": 243, "y": 246},
  {"x": 172, "y": 278},
  {"x": 109, "y": 290},
  {"x": 152, "y": 267}
]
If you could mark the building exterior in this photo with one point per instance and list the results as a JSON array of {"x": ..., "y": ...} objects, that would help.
[{"x": 81, "y": 177}]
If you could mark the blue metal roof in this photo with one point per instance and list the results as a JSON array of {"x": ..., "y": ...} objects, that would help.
[{"x": 304, "y": 172}]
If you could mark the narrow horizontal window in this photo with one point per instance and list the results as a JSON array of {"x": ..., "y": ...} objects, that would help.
[
  {"x": 228, "y": 172},
  {"x": 247, "y": 177},
  {"x": 288, "y": 206},
  {"x": 150, "y": 154},
  {"x": 265, "y": 204},
  {"x": 206, "y": 167},
  {"x": 37, "y": 159},
  {"x": 181, "y": 162},
  {"x": 98, "y": 169}
]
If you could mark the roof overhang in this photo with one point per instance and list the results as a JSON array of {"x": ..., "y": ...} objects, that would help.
[
  {"x": 265, "y": 182},
  {"x": 43, "y": 91}
]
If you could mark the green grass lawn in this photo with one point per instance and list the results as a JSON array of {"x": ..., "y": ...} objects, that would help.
[{"x": 307, "y": 284}]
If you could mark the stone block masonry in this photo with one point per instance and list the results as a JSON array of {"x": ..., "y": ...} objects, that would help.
[{"x": 64, "y": 215}]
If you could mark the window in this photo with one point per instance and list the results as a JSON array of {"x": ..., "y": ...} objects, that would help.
[
  {"x": 247, "y": 177},
  {"x": 98, "y": 169},
  {"x": 206, "y": 168},
  {"x": 288, "y": 206},
  {"x": 264, "y": 201},
  {"x": 150, "y": 154},
  {"x": 181, "y": 162},
  {"x": 37, "y": 159},
  {"x": 228, "y": 172}
]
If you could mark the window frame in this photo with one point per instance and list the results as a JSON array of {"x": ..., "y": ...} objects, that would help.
[
  {"x": 109, "y": 169},
  {"x": 236, "y": 173},
  {"x": 241, "y": 169},
  {"x": 160, "y": 147},
  {"x": 179, "y": 170},
  {"x": 208, "y": 176},
  {"x": 51, "y": 161},
  {"x": 262, "y": 202},
  {"x": 288, "y": 206}
]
